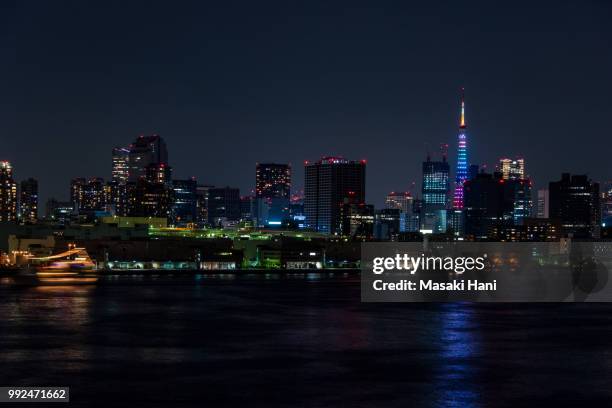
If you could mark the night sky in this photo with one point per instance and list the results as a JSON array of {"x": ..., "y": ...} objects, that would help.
[{"x": 228, "y": 84}]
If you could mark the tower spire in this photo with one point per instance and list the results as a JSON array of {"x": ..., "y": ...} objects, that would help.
[
  {"x": 462, "y": 121},
  {"x": 462, "y": 157}
]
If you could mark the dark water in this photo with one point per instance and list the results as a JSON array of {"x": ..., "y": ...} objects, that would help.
[{"x": 267, "y": 343}]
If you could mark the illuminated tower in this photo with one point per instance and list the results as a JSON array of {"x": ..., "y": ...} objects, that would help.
[
  {"x": 462, "y": 158},
  {"x": 8, "y": 193}
]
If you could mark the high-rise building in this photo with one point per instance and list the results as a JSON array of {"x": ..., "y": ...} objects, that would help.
[
  {"x": 404, "y": 202},
  {"x": 296, "y": 210},
  {"x": 159, "y": 173},
  {"x": 88, "y": 195},
  {"x": 399, "y": 200},
  {"x": 77, "y": 188},
  {"x": 223, "y": 206},
  {"x": 435, "y": 191},
  {"x": 523, "y": 202},
  {"x": 489, "y": 205},
  {"x": 574, "y": 200},
  {"x": 248, "y": 207},
  {"x": 146, "y": 199},
  {"x": 144, "y": 151},
  {"x": 58, "y": 211},
  {"x": 512, "y": 169},
  {"x": 328, "y": 183},
  {"x": 272, "y": 193},
  {"x": 202, "y": 204},
  {"x": 8, "y": 193},
  {"x": 387, "y": 224},
  {"x": 473, "y": 171},
  {"x": 184, "y": 202},
  {"x": 542, "y": 210},
  {"x": 121, "y": 165},
  {"x": 28, "y": 201},
  {"x": 272, "y": 180},
  {"x": 462, "y": 158},
  {"x": 356, "y": 221},
  {"x": 606, "y": 204},
  {"x": 117, "y": 197}
]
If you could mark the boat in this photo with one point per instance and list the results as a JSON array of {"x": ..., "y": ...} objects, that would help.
[{"x": 72, "y": 267}]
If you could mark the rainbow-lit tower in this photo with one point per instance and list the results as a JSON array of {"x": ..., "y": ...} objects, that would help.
[{"x": 462, "y": 157}]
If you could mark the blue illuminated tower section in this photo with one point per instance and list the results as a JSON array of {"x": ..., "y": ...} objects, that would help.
[{"x": 462, "y": 158}]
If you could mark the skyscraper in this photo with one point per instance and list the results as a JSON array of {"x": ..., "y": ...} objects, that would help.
[
  {"x": 462, "y": 158},
  {"x": 542, "y": 211},
  {"x": 121, "y": 165},
  {"x": 147, "y": 199},
  {"x": 329, "y": 183},
  {"x": 28, "y": 201},
  {"x": 574, "y": 200},
  {"x": 435, "y": 191},
  {"x": 88, "y": 195},
  {"x": 146, "y": 150},
  {"x": 8, "y": 193},
  {"x": 272, "y": 193},
  {"x": 512, "y": 169},
  {"x": 272, "y": 180},
  {"x": 223, "y": 206},
  {"x": 159, "y": 173},
  {"x": 202, "y": 204},
  {"x": 489, "y": 204},
  {"x": 399, "y": 200},
  {"x": 184, "y": 202}
]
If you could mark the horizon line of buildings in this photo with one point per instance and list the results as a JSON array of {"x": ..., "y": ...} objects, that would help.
[{"x": 477, "y": 206}]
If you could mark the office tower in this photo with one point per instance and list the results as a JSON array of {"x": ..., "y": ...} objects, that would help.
[
  {"x": 121, "y": 165},
  {"x": 8, "y": 193},
  {"x": 387, "y": 224},
  {"x": 435, "y": 191},
  {"x": 184, "y": 210},
  {"x": 542, "y": 210},
  {"x": 404, "y": 202},
  {"x": 328, "y": 183},
  {"x": 202, "y": 204},
  {"x": 606, "y": 204},
  {"x": 77, "y": 187},
  {"x": 272, "y": 193},
  {"x": 462, "y": 158},
  {"x": 399, "y": 200},
  {"x": 59, "y": 212},
  {"x": 574, "y": 200},
  {"x": 512, "y": 169},
  {"x": 28, "y": 201},
  {"x": 473, "y": 171},
  {"x": 144, "y": 151},
  {"x": 296, "y": 210},
  {"x": 159, "y": 173},
  {"x": 523, "y": 202},
  {"x": 489, "y": 205},
  {"x": 272, "y": 180},
  {"x": 117, "y": 198},
  {"x": 455, "y": 220},
  {"x": 248, "y": 208},
  {"x": 223, "y": 206},
  {"x": 88, "y": 195},
  {"x": 356, "y": 220},
  {"x": 146, "y": 199}
]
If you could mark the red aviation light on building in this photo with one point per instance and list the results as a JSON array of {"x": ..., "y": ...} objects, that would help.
[{"x": 364, "y": 161}]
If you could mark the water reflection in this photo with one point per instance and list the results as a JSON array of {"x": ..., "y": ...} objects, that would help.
[{"x": 456, "y": 374}]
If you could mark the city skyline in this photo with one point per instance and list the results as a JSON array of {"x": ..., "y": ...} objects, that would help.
[
  {"x": 246, "y": 83},
  {"x": 415, "y": 187}
]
